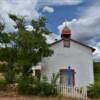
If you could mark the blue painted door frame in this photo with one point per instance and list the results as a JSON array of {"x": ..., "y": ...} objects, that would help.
[{"x": 70, "y": 73}]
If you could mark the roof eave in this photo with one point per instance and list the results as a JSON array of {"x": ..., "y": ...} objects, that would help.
[{"x": 93, "y": 49}]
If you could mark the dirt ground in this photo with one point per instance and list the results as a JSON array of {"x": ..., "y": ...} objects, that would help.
[{"x": 35, "y": 98}]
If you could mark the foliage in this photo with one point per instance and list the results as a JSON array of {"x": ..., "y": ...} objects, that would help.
[
  {"x": 7, "y": 55},
  {"x": 47, "y": 89},
  {"x": 3, "y": 84},
  {"x": 31, "y": 46},
  {"x": 24, "y": 86},
  {"x": 36, "y": 87},
  {"x": 8, "y": 73},
  {"x": 23, "y": 49},
  {"x": 54, "y": 78},
  {"x": 94, "y": 90},
  {"x": 97, "y": 71}
]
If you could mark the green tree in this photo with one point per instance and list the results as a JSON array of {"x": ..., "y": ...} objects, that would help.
[
  {"x": 24, "y": 48},
  {"x": 32, "y": 46},
  {"x": 7, "y": 54}
]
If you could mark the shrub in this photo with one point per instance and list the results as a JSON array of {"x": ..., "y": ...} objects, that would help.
[
  {"x": 47, "y": 89},
  {"x": 94, "y": 90},
  {"x": 54, "y": 79},
  {"x": 24, "y": 86},
  {"x": 30, "y": 86},
  {"x": 3, "y": 84}
]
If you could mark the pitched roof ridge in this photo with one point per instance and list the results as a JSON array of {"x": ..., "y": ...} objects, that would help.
[{"x": 57, "y": 41}]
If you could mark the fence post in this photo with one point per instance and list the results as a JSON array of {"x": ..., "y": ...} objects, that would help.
[
  {"x": 75, "y": 92},
  {"x": 85, "y": 93}
]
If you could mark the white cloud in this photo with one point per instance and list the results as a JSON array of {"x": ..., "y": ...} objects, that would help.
[
  {"x": 27, "y": 8},
  {"x": 83, "y": 29},
  {"x": 49, "y": 38},
  {"x": 88, "y": 25},
  {"x": 48, "y": 9},
  {"x": 17, "y": 7},
  {"x": 60, "y": 2},
  {"x": 29, "y": 28},
  {"x": 8, "y": 23},
  {"x": 87, "y": 28},
  {"x": 96, "y": 54}
]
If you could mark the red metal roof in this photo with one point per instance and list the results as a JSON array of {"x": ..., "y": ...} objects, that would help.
[{"x": 66, "y": 30}]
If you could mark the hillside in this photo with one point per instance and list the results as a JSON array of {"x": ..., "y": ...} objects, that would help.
[
  {"x": 97, "y": 71},
  {"x": 94, "y": 90}
]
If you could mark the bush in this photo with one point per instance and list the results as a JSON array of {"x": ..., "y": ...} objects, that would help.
[
  {"x": 3, "y": 84},
  {"x": 47, "y": 89},
  {"x": 94, "y": 90},
  {"x": 24, "y": 86},
  {"x": 30, "y": 86}
]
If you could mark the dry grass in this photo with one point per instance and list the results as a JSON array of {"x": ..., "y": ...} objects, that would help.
[
  {"x": 7, "y": 94},
  {"x": 12, "y": 95},
  {"x": 35, "y": 98},
  {"x": 1, "y": 76}
]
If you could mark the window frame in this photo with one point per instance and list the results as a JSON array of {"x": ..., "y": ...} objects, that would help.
[{"x": 73, "y": 75}]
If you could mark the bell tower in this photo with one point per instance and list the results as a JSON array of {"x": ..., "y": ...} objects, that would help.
[{"x": 66, "y": 35}]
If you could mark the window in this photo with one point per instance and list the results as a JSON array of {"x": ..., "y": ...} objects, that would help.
[
  {"x": 37, "y": 73},
  {"x": 65, "y": 78},
  {"x": 66, "y": 42}
]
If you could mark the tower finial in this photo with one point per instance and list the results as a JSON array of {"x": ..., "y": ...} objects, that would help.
[
  {"x": 66, "y": 35},
  {"x": 66, "y": 30},
  {"x": 65, "y": 22}
]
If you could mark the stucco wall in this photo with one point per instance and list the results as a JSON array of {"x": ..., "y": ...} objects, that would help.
[{"x": 77, "y": 56}]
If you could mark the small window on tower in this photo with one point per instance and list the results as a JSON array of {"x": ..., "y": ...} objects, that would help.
[{"x": 66, "y": 43}]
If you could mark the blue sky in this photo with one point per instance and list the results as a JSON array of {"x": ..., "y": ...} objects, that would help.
[
  {"x": 63, "y": 13},
  {"x": 83, "y": 18}
]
